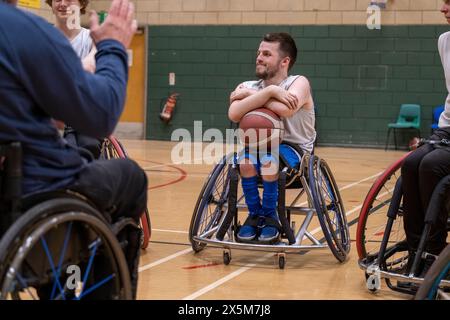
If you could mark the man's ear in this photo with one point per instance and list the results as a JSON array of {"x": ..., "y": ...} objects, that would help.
[{"x": 286, "y": 61}]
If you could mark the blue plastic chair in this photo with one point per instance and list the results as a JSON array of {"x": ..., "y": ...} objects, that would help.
[
  {"x": 408, "y": 118},
  {"x": 436, "y": 114}
]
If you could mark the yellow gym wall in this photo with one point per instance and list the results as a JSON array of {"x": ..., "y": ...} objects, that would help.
[
  {"x": 285, "y": 12},
  {"x": 136, "y": 83}
]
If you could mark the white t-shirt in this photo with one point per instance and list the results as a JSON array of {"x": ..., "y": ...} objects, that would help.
[
  {"x": 82, "y": 43},
  {"x": 444, "y": 52}
]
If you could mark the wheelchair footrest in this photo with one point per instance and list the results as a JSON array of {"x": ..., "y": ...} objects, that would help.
[{"x": 256, "y": 241}]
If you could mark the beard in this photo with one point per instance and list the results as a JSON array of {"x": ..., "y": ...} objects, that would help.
[{"x": 267, "y": 73}]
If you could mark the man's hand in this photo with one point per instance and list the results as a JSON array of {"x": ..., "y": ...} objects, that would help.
[
  {"x": 241, "y": 93},
  {"x": 287, "y": 98},
  {"x": 119, "y": 25}
]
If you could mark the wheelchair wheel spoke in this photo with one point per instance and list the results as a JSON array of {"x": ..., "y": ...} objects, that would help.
[
  {"x": 93, "y": 248},
  {"x": 61, "y": 257},
  {"x": 94, "y": 287},
  {"x": 52, "y": 265}
]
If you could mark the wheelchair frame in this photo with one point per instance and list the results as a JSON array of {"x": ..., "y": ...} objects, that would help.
[
  {"x": 35, "y": 246},
  {"x": 386, "y": 263},
  {"x": 220, "y": 228}
]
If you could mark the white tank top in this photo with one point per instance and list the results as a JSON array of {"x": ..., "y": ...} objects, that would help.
[
  {"x": 299, "y": 128},
  {"x": 82, "y": 43}
]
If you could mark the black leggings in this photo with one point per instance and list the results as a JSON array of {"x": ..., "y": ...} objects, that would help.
[{"x": 421, "y": 172}]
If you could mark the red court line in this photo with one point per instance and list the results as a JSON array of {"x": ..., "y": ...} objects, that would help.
[
  {"x": 181, "y": 171},
  {"x": 202, "y": 266}
]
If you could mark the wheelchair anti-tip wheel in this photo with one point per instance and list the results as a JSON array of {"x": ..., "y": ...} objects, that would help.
[
  {"x": 226, "y": 257},
  {"x": 281, "y": 260}
]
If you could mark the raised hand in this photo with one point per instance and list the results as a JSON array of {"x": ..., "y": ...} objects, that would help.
[{"x": 119, "y": 25}]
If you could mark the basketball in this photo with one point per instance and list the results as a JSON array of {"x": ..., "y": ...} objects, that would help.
[{"x": 260, "y": 127}]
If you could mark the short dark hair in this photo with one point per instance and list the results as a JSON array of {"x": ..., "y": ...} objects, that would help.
[
  {"x": 83, "y": 5},
  {"x": 287, "y": 44}
]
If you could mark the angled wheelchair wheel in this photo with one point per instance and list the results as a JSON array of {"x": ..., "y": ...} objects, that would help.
[
  {"x": 373, "y": 215},
  {"x": 62, "y": 249},
  {"x": 210, "y": 206},
  {"x": 329, "y": 207},
  {"x": 431, "y": 287},
  {"x": 113, "y": 149}
]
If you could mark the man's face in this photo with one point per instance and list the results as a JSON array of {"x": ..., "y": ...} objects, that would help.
[
  {"x": 445, "y": 9},
  {"x": 268, "y": 60},
  {"x": 62, "y": 8}
]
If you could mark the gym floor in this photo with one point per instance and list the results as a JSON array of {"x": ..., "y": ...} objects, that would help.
[{"x": 169, "y": 269}]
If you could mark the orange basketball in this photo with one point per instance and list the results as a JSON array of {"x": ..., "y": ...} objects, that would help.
[{"x": 260, "y": 127}]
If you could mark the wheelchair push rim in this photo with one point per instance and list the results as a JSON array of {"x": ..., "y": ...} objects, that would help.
[
  {"x": 329, "y": 207},
  {"x": 376, "y": 204}
]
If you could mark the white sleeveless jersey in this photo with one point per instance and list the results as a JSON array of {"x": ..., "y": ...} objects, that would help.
[
  {"x": 82, "y": 43},
  {"x": 299, "y": 128}
]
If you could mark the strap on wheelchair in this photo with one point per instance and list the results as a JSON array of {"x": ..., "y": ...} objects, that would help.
[
  {"x": 262, "y": 221},
  {"x": 443, "y": 143},
  {"x": 232, "y": 204},
  {"x": 269, "y": 221}
]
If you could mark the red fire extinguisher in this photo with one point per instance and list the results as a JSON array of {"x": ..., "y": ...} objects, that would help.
[{"x": 167, "y": 111}]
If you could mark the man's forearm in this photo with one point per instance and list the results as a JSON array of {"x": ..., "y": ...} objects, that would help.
[
  {"x": 279, "y": 108},
  {"x": 257, "y": 100}
]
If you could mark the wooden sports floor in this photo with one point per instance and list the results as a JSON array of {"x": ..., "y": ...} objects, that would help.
[{"x": 169, "y": 269}]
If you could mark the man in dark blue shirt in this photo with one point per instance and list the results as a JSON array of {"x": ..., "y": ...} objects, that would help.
[{"x": 41, "y": 78}]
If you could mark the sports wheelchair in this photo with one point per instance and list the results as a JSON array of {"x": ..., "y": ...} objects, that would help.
[
  {"x": 111, "y": 148},
  {"x": 215, "y": 220},
  {"x": 57, "y": 245},
  {"x": 380, "y": 236}
]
